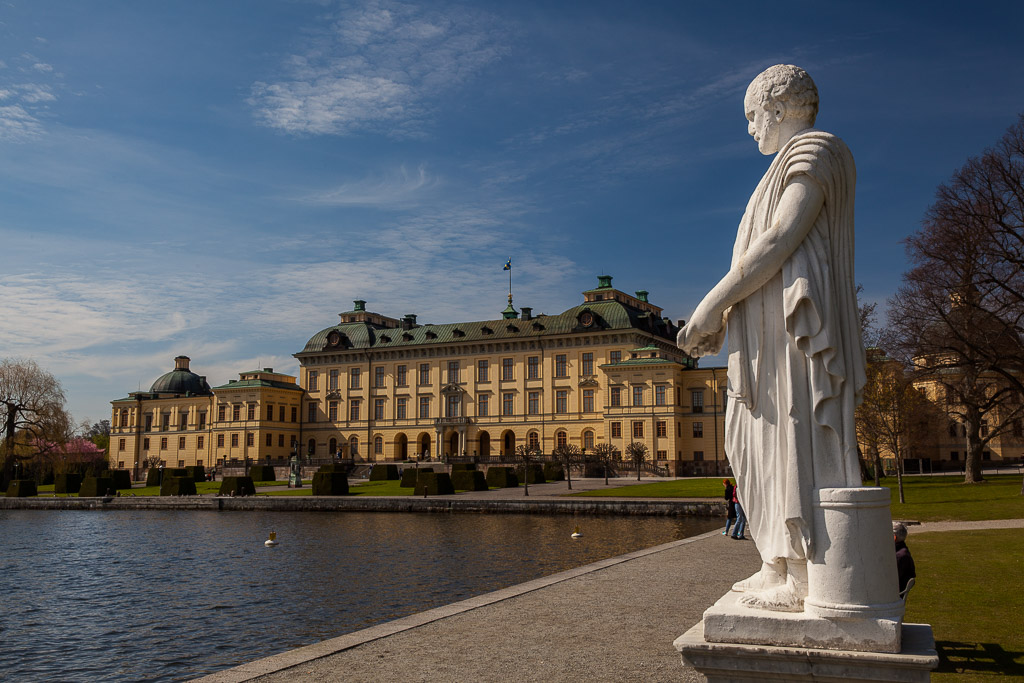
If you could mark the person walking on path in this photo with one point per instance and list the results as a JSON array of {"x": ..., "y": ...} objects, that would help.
[
  {"x": 729, "y": 497},
  {"x": 741, "y": 519},
  {"x": 905, "y": 569}
]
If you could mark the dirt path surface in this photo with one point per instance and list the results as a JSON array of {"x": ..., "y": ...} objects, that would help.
[
  {"x": 614, "y": 620},
  {"x": 967, "y": 526}
]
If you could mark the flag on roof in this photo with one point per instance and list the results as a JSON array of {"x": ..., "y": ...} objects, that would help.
[{"x": 508, "y": 265}]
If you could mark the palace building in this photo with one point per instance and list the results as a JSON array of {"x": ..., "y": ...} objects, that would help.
[{"x": 380, "y": 388}]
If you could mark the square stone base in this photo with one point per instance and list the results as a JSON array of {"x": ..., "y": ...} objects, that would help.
[
  {"x": 741, "y": 663},
  {"x": 727, "y": 621}
]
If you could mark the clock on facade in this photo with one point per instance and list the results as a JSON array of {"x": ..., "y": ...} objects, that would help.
[{"x": 586, "y": 319}]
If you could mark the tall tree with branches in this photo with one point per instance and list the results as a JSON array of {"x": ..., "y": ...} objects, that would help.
[
  {"x": 527, "y": 455},
  {"x": 567, "y": 454},
  {"x": 637, "y": 452},
  {"x": 606, "y": 454},
  {"x": 32, "y": 413},
  {"x": 958, "y": 317}
]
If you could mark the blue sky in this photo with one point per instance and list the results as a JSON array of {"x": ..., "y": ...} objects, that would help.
[{"x": 220, "y": 179}]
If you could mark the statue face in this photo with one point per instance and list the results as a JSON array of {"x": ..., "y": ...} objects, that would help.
[{"x": 764, "y": 123}]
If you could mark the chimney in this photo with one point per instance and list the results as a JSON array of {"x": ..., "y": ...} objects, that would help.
[
  {"x": 181, "y": 363},
  {"x": 526, "y": 313},
  {"x": 408, "y": 321}
]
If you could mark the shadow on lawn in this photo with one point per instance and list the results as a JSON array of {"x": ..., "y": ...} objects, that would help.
[{"x": 978, "y": 658}]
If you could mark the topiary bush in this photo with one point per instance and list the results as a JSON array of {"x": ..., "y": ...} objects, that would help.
[
  {"x": 409, "y": 475},
  {"x": 334, "y": 467},
  {"x": 242, "y": 486},
  {"x": 553, "y": 471},
  {"x": 432, "y": 483},
  {"x": 67, "y": 483},
  {"x": 153, "y": 476},
  {"x": 384, "y": 472},
  {"x": 262, "y": 473},
  {"x": 122, "y": 479},
  {"x": 460, "y": 466},
  {"x": 469, "y": 480},
  {"x": 94, "y": 487},
  {"x": 197, "y": 472},
  {"x": 330, "y": 484},
  {"x": 178, "y": 486},
  {"x": 21, "y": 488},
  {"x": 176, "y": 472},
  {"x": 535, "y": 475},
  {"x": 502, "y": 477}
]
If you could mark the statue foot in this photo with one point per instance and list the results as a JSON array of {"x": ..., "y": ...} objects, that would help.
[
  {"x": 766, "y": 577},
  {"x": 778, "y": 599}
]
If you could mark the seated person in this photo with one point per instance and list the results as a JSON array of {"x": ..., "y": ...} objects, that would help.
[{"x": 904, "y": 562}]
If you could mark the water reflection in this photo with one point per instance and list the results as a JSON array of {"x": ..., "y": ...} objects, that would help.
[{"x": 176, "y": 594}]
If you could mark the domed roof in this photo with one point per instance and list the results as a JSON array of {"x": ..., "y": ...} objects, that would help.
[{"x": 181, "y": 380}]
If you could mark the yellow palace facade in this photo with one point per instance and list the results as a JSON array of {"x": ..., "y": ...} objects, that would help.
[{"x": 378, "y": 388}]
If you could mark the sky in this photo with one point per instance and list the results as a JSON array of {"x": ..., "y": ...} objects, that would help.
[{"x": 220, "y": 179}]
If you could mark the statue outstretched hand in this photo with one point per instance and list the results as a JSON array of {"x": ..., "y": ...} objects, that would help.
[{"x": 704, "y": 333}]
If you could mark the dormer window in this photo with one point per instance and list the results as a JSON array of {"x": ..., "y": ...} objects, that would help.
[
  {"x": 512, "y": 328},
  {"x": 386, "y": 339},
  {"x": 458, "y": 333},
  {"x": 406, "y": 337},
  {"x": 487, "y": 330},
  {"x": 431, "y": 335},
  {"x": 538, "y": 326}
]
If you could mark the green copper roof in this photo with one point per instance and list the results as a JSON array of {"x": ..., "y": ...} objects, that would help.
[{"x": 249, "y": 383}]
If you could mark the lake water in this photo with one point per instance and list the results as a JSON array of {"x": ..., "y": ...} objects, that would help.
[{"x": 163, "y": 596}]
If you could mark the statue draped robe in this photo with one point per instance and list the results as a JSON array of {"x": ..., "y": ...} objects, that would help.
[{"x": 796, "y": 359}]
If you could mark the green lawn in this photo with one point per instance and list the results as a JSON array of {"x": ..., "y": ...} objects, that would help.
[
  {"x": 679, "y": 488},
  {"x": 934, "y": 499},
  {"x": 968, "y": 589}
]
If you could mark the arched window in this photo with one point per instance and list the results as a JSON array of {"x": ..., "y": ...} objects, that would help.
[
  {"x": 588, "y": 440},
  {"x": 311, "y": 447},
  {"x": 532, "y": 440},
  {"x": 378, "y": 445},
  {"x": 560, "y": 439},
  {"x": 353, "y": 446},
  {"x": 333, "y": 446}
]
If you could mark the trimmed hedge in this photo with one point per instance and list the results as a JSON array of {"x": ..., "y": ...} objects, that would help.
[
  {"x": 469, "y": 480},
  {"x": 176, "y": 472},
  {"x": 409, "y": 475},
  {"x": 21, "y": 488},
  {"x": 535, "y": 475},
  {"x": 67, "y": 483},
  {"x": 553, "y": 471},
  {"x": 242, "y": 486},
  {"x": 197, "y": 472},
  {"x": 502, "y": 477},
  {"x": 434, "y": 484},
  {"x": 153, "y": 476},
  {"x": 95, "y": 487},
  {"x": 330, "y": 484},
  {"x": 460, "y": 466},
  {"x": 262, "y": 473},
  {"x": 334, "y": 467},
  {"x": 383, "y": 472},
  {"x": 178, "y": 486},
  {"x": 122, "y": 479}
]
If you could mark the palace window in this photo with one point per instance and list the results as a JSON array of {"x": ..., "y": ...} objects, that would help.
[
  {"x": 587, "y": 364},
  {"x": 269, "y": 413},
  {"x": 616, "y": 430},
  {"x": 451, "y": 405},
  {"x": 562, "y": 401},
  {"x": 453, "y": 372},
  {"x": 662, "y": 455},
  {"x": 183, "y": 420},
  {"x": 561, "y": 367},
  {"x": 250, "y": 412},
  {"x": 638, "y": 429},
  {"x": 507, "y": 369},
  {"x": 616, "y": 396},
  {"x": 638, "y": 396},
  {"x": 165, "y": 422},
  {"x": 952, "y": 429},
  {"x": 481, "y": 405},
  {"x": 588, "y": 440},
  {"x": 202, "y": 420},
  {"x": 507, "y": 404},
  {"x": 615, "y": 357},
  {"x": 311, "y": 412},
  {"x": 163, "y": 443},
  {"x": 400, "y": 408},
  {"x": 659, "y": 395},
  {"x": 378, "y": 409},
  {"x": 120, "y": 444},
  {"x": 424, "y": 374},
  {"x": 353, "y": 410},
  {"x": 533, "y": 367},
  {"x": 250, "y": 439},
  {"x": 200, "y": 442},
  {"x": 424, "y": 407},
  {"x": 280, "y": 440},
  {"x": 280, "y": 414},
  {"x": 698, "y": 430},
  {"x": 378, "y": 444},
  {"x": 236, "y": 413},
  {"x": 533, "y": 403},
  {"x": 149, "y": 419},
  {"x": 270, "y": 440},
  {"x": 661, "y": 429},
  {"x": 234, "y": 440},
  {"x": 697, "y": 400},
  {"x": 220, "y": 441},
  {"x": 588, "y": 400},
  {"x": 378, "y": 377},
  {"x": 533, "y": 441},
  {"x": 353, "y": 378},
  {"x": 181, "y": 443},
  {"x": 400, "y": 376},
  {"x": 124, "y": 418},
  {"x": 698, "y": 456},
  {"x": 332, "y": 411},
  {"x": 332, "y": 381},
  {"x": 295, "y": 414},
  {"x": 482, "y": 368},
  {"x": 313, "y": 380},
  {"x": 561, "y": 439},
  {"x": 332, "y": 446}
]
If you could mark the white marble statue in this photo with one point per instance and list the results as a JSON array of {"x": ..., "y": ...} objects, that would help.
[{"x": 796, "y": 360}]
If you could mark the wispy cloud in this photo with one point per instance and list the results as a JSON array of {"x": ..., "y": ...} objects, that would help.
[
  {"x": 397, "y": 188},
  {"x": 380, "y": 67},
  {"x": 25, "y": 102}
]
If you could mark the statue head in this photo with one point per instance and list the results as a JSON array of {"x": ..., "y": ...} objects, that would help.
[{"x": 781, "y": 101}]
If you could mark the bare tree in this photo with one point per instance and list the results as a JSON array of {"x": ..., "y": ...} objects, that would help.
[
  {"x": 959, "y": 315},
  {"x": 637, "y": 452},
  {"x": 32, "y": 413},
  {"x": 566, "y": 454},
  {"x": 526, "y": 454},
  {"x": 606, "y": 454}
]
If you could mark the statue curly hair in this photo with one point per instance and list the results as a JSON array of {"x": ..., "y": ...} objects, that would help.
[{"x": 789, "y": 84}]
